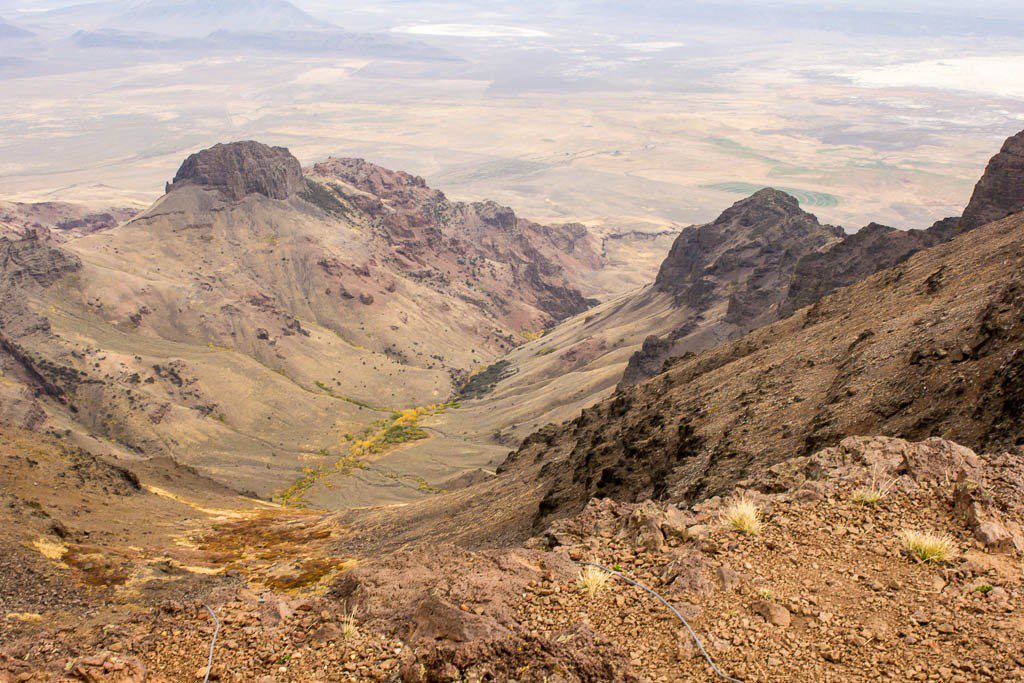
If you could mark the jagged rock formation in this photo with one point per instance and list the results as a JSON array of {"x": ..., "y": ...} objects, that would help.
[
  {"x": 1000, "y": 192},
  {"x": 930, "y": 347},
  {"x": 731, "y": 274},
  {"x": 817, "y": 271},
  {"x": 867, "y": 251},
  {"x": 420, "y": 223},
  {"x": 745, "y": 253},
  {"x": 239, "y": 169}
]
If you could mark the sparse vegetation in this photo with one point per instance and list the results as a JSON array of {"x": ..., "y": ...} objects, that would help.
[
  {"x": 984, "y": 588},
  {"x": 925, "y": 546},
  {"x": 483, "y": 381},
  {"x": 593, "y": 580},
  {"x": 874, "y": 492},
  {"x": 319, "y": 196},
  {"x": 743, "y": 515},
  {"x": 349, "y": 628}
]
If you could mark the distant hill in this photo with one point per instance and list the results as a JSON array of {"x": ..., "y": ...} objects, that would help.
[
  {"x": 9, "y": 31},
  {"x": 189, "y": 18}
]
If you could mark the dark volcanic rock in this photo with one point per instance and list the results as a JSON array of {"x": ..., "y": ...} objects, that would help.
[
  {"x": 753, "y": 244},
  {"x": 648, "y": 361},
  {"x": 1000, "y": 192},
  {"x": 867, "y": 251},
  {"x": 239, "y": 169},
  {"x": 751, "y": 248},
  {"x": 732, "y": 274}
]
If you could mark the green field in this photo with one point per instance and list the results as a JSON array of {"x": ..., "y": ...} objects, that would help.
[{"x": 805, "y": 197}]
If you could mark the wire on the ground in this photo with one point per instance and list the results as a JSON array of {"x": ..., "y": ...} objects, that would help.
[
  {"x": 213, "y": 642},
  {"x": 711, "y": 663}
]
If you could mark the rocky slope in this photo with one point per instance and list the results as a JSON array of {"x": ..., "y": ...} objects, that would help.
[
  {"x": 760, "y": 261},
  {"x": 719, "y": 280},
  {"x": 930, "y": 347},
  {"x": 731, "y": 274},
  {"x": 256, "y": 320},
  {"x": 867, "y": 251},
  {"x": 58, "y": 221},
  {"x": 821, "y": 271},
  {"x": 1000, "y": 192},
  {"x": 824, "y": 590},
  {"x": 113, "y": 557}
]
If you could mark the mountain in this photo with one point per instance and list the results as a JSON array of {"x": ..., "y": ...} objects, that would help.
[
  {"x": 194, "y": 18},
  {"x": 815, "y": 495},
  {"x": 326, "y": 41},
  {"x": 257, "y": 317},
  {"x": 858, "y": 255},
  {"x": 846, "y": 261},
  {"x": 928, "y": 348},
  {"x": 199, "y": 27},
  {"x": 718, "y": 281},
  {"x": 732, "y": 273}
]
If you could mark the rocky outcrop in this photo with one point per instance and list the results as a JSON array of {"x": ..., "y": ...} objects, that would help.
[
  {"x": 818, "y": 271},
  {"x": 751, "y": 247},
  {"x": 238, "y": 169},
  {"x": 422, "y": 225},
  {"x": 648, "y": 361},
  {"x": 732, "y": 274},
  {"x": 985, "y": 489},
  {"x": 458, "y": 618},
  {"x": 31, "y": 260},
  {"x": 867, "y": 251},
  {"x": 1000, "y": 192}
]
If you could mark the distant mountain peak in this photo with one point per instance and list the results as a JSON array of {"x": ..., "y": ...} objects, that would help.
[{"x": 238, "y": 169}]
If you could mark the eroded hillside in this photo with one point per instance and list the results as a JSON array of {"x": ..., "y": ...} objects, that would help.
[{"x": 256, "y": 321}]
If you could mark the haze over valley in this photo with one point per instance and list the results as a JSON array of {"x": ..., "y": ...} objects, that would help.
[{"x": 649, "y": 117}]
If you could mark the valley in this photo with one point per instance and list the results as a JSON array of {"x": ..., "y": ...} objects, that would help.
[{"x": 537, "y": 343}]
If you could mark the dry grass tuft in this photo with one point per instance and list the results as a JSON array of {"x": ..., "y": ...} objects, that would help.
[
  {"x": 873, "y": 493},
  {"x": 929, "y": 547},
  {"x": 593, "y": 580},
  {"x": 348, "y": 625},
  {"x": 743, "y": 515}
]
